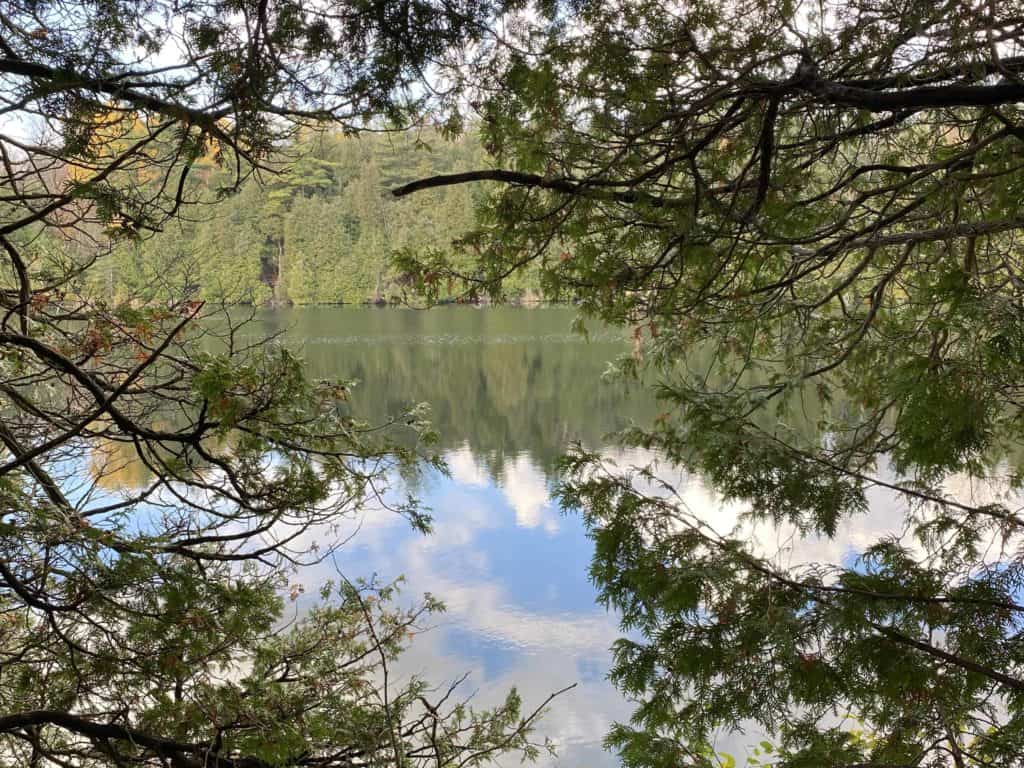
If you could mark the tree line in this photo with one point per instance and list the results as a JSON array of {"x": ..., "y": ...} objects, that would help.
[{"x": 318, "y": 229}]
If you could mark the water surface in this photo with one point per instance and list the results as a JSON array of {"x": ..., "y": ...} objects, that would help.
[{"x": 509, "y": 390}]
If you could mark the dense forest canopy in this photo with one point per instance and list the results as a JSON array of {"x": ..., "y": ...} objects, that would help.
[{"x": 319, "y": 232}]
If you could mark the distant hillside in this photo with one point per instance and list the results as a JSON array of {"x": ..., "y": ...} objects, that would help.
[{"x": 317, "y": 234}]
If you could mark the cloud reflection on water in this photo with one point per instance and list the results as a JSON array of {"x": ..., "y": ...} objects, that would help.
[
  {"x": 511, "y": 571},
  {"x": 507, "y": 399}
]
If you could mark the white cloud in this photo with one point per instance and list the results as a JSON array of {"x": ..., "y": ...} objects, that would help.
[
  {"x": 465, "y": 469},
  {"x": 522, "y": 483},
  {"x": 526, "y": 490},
  {"x": 886, "y": 515}
]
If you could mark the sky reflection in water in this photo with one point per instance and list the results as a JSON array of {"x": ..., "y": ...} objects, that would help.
[{"x": 509, "y": 390}]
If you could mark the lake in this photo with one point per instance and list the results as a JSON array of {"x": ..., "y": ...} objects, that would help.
[{"x": 509, "y": 389}]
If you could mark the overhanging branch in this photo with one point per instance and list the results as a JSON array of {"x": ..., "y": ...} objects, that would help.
[
  {"x": 111, "y": 87},
  {"x": 926, "y": 97},
  {"x": 167, "y": 748},
  {"x": 569, "y": 186}
]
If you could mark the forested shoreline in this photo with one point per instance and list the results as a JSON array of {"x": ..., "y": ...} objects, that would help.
[{"x": 319, "y": 233}]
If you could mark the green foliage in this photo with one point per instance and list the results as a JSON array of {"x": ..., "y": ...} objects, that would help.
[
  {"x": 320, "y": 231},
  {"x": 807, "y": 215},
  {"x": 161, "y": 480}
]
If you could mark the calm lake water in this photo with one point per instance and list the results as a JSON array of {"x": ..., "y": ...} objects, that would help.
[{"x": 509, "y": 390}]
